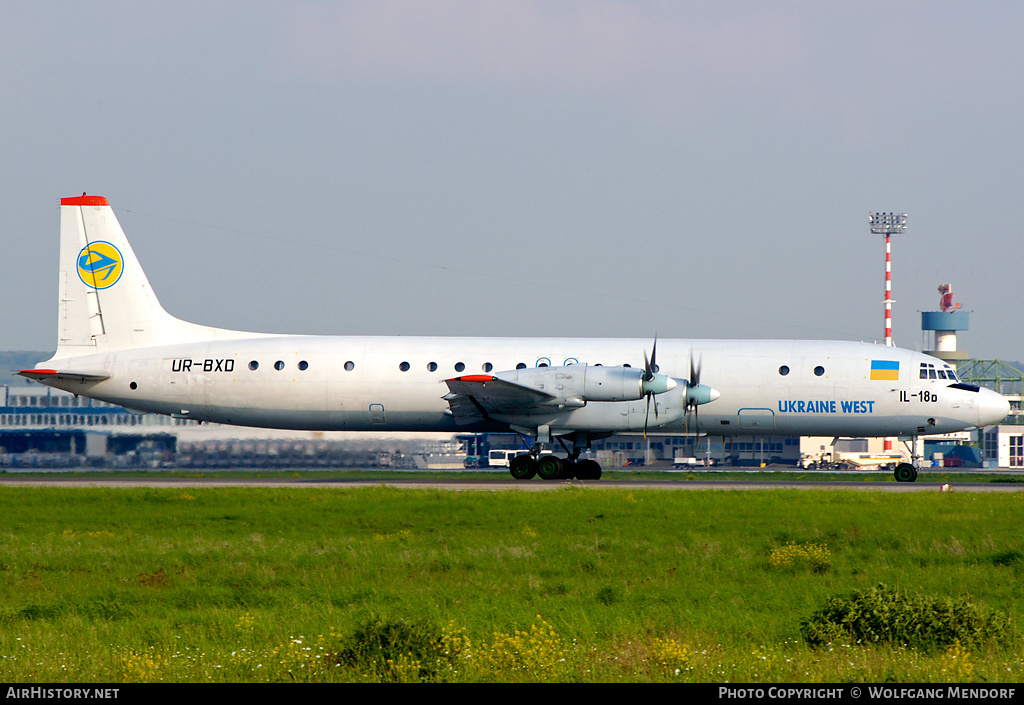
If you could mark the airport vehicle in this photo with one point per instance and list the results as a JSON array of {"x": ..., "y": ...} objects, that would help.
[
  {"x": 503, "y": 458},
  {"x": 684, "y": 461},
  {"x": 500, "y": 458},
  {"x": 116, "y": 343}
]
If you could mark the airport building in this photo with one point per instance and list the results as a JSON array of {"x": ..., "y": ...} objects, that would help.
[{"x": 45, "y": 427}]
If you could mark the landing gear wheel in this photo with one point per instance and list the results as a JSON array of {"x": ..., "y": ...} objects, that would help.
[
  {"x": 905, "y": 472},
  {"x": 550, "y": 468},
  {"x": 522, "y": 467},
  {"x": 588, "y": 470}
]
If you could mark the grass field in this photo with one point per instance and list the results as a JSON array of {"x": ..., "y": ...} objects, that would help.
[{"x": 576, "y": 584}]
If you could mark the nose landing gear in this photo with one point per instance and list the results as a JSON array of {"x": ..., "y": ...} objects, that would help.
[{"x": 905, "y": 472}]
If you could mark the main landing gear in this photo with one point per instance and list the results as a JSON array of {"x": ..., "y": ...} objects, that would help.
[{"x": 550, "y": 467}]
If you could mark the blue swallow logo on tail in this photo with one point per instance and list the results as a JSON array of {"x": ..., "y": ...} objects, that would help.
[{"x": 100, "y": 265}]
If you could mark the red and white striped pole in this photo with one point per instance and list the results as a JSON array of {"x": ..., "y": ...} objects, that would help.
[
  {"x": 887, "y": 443},
  {"x": 888, "y": 290},
  {"x": 887, "y": 224}
]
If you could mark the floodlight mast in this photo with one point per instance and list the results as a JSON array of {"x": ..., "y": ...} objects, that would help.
[{"x": 888, "y": 224}]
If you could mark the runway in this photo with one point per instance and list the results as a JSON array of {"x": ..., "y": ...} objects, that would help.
[{"x": 501, "y": 485}]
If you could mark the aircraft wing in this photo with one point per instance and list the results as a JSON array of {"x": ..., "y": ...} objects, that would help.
[
  {"x": 63, "y": 376},
  {"x": 474, "y": 398}
]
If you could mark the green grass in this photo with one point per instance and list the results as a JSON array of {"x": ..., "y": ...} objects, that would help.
[{"x": 576, "y": 584}]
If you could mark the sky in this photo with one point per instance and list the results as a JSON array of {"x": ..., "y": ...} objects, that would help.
[{"x": 589, "y": 168}]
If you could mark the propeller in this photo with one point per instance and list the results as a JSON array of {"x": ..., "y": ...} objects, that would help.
[
  {"x": 691, "y": 399},
  {"x": 653, "y": 383},
  {"x": 697, "y": 394}
]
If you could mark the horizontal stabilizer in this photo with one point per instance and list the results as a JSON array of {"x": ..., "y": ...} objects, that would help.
[{"x": 63, "y": 376}]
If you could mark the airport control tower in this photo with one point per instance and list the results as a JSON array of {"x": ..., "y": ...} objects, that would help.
[{"x": 945, "y": 323}]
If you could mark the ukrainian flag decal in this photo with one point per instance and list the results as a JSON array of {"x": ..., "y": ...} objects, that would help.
[{"x": 885, "y": 369}]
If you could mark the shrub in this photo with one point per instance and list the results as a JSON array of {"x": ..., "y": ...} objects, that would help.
[
  {"x": 608, "y": 595},
  {"x": 882, "y": 615},
  {"x": 394, "y": 649}
]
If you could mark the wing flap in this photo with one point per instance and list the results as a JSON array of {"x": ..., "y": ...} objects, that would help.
[{"x": 474, "y": 398}]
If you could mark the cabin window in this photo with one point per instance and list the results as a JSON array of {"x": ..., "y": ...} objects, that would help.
[
  {"x": 460, "y": 366},
  {"x": 404, "y": 367},
  {"x": 431, "y": 367},
  {"x": 819, "y": 371},
  {"x": 279, "y": 365},
  {"x": 784, "y": 370},
  {"x": 254, "y": 365},
  {"x": 521, "y": 366},
  {"x": 303, "y": 365},
  {"x": 350, "y": 365},
  {"x": 487, "y": 367}
]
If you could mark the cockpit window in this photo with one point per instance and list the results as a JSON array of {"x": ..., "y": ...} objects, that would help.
[{"x": 928, "y": 371}]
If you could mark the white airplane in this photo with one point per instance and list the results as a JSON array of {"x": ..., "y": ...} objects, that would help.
[{"x": 116, "y": 343}]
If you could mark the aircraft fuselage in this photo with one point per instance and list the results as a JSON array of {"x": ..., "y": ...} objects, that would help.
[{"x": 397, "y": 383}]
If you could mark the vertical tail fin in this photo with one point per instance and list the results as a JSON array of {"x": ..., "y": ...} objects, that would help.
[{"x": 106, "y": 301}]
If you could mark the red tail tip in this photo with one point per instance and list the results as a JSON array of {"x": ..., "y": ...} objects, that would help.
[{"x": 84, "y": 200}]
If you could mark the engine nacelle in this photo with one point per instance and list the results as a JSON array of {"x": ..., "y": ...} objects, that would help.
[{"x": 574, "y": 385}]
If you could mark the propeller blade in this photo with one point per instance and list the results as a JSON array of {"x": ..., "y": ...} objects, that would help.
[{"x": 651, "y": 365}]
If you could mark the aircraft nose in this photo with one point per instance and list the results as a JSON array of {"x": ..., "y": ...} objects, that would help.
[{"x": 992, "y": 407}]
